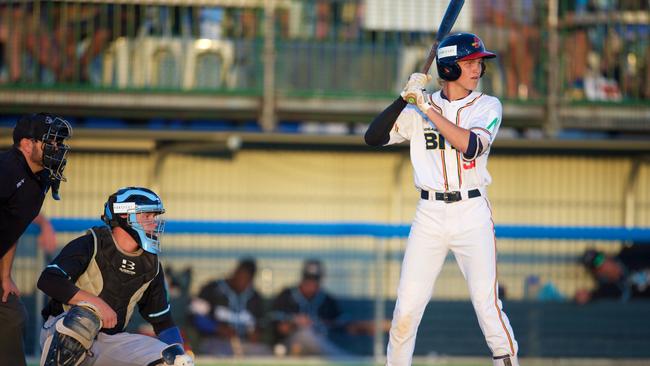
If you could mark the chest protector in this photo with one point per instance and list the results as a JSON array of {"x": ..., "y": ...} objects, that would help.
[{"x": 118, "y": 278}]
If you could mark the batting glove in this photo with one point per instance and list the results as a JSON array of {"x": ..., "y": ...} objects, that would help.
[
  {"x": 418, "y": 97},
  {"x": 417, "y": 80}
]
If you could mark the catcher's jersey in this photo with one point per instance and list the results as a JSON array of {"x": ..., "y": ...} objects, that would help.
[
  {"x": 437, "y": 165},
  {"x": 96, "y": 264}
]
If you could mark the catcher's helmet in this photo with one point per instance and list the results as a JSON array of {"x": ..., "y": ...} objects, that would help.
[
  {"x": 459, "y": 47},
  {"x": 122, "y": 208}
]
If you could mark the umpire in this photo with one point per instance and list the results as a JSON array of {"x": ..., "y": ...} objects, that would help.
[{"x": 28, "y": 170}]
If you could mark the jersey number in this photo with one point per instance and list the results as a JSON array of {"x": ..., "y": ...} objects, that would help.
[
  {"x": 434, "y": 141},
  {"x": 469, "y": 165}
]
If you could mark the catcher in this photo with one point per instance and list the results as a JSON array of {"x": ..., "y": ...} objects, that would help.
[{"x": 96, "y": 282}]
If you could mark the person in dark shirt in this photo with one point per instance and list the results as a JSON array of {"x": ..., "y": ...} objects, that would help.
[
  {"x": 303, "y": 315},
  {"x": 228, "y": 314},
  {"x": 624, "y": 276},
  {"x": 100, "y": 278},
  {"x": 33, "y": 166}
]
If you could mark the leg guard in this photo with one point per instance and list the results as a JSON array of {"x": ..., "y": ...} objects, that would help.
[
  {"x": 506, "y": 360},
  {"x": 74, "y": 336}
]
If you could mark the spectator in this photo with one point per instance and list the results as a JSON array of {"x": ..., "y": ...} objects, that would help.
[
  {"x": 228, "y": 314},
  {"x": 82, "y": 36},
  {"x": 534, "y": 289},
  {"x": 490, "y": 20},
  {"x": 624, "y": 276},
  {"x": 303, "y": 315},
  {"x": 211, "y": 22},
  {"x": 523, "y": 44},
  {"x": 576, "y": 49},
  {"x": 13, "y": 21}
]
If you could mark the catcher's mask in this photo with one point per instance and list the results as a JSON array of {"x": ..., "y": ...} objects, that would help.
[
  {"x": 126, "y": 208},
  {"x": 52, "y": 131}
]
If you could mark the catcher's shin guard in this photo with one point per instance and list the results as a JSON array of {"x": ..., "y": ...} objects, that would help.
[{"x": 75, "y": 332}]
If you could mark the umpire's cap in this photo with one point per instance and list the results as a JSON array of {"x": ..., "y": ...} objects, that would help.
[
  {"x": 37, "y": 126},
  {"x": 593, "y": 259},
  {"x": 312, "y": 269},
  {"x": 32, "y": 126}
]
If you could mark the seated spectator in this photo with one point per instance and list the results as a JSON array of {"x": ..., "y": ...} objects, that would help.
[
  {"x": 534, "y": 289},
  {"x": 303, "y": 315},
  {"x": 13, "y": 22},
  {"x": 227, "y": 314},
  {"x": 623, "y": 277}
]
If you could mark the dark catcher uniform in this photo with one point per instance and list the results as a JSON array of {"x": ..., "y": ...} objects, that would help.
[
  {"x": 112, "y": 277},
  {"x": 95, "y": 264}
]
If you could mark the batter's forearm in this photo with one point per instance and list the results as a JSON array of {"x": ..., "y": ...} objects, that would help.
[
  {"x": 378, "y": 132},
  {"x": 458, "y": 137}
]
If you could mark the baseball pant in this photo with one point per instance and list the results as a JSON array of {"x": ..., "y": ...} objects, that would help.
[
  {"x": 465, "y": 228},
  {"x": 13, "y": 316},
  {"x": 121, "y": 349}
]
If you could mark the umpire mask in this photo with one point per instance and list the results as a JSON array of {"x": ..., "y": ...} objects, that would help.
[
  {"x": 127, "y": 208},
  {"x": 52, "y": 131},
  {"x": 54, "y": 148}
]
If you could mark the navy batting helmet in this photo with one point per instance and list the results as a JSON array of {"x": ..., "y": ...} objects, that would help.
[{"x": 459, "y": 47}]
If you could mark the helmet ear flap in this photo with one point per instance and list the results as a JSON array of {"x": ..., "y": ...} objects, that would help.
[
  {"x": 449, "y": 71},
  {"x": 107, "y": 217}
]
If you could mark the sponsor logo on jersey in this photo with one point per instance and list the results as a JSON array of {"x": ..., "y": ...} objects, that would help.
[
  {"x": 494, "y": 122},
  {"x": 20, "y": 183},
  {"x": 127, "y": 267},
  {"x": 434, "y": 141},
  {"x": 448, "y": 51}
]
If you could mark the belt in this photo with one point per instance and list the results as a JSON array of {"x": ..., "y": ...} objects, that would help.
[{"x": 448, "y": 197}]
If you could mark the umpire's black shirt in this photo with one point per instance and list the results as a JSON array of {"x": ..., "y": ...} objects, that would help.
[{"x": 21, "y": 196}]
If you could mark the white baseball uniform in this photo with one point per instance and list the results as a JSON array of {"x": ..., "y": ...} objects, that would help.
[{"x": 465, "y": 226}]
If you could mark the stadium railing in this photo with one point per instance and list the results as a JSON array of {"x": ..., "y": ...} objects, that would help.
[{"x": 323, "y": 49}]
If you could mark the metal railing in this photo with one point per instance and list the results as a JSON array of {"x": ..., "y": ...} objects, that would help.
[{"x": 549, "y": 51}]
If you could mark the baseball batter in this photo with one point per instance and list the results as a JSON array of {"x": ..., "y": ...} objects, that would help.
[
  {"x": 450, "y": 134},
  {"x": 98, "y": 280}
]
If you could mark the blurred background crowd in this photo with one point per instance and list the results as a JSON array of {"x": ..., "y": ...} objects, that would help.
[{"x": 602, "y": 52}]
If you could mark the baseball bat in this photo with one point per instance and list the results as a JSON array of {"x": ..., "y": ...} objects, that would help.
[{"x": 448, "y": 20}]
